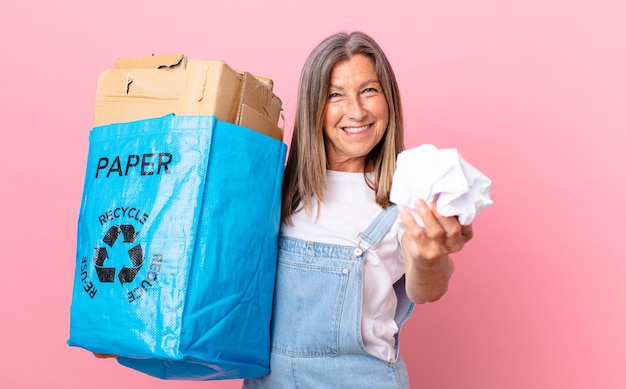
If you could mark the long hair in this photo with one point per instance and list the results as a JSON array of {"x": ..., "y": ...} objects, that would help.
[{"x": 305, "y": 172}]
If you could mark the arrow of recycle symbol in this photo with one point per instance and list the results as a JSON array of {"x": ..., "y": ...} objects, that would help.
[{"x": 135, "y": 253}]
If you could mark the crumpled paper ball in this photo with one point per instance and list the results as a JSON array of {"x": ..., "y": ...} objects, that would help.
[{"x": 426, "y": 172}]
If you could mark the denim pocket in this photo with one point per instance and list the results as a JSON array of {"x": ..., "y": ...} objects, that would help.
[{"x": 308, "y": 301}]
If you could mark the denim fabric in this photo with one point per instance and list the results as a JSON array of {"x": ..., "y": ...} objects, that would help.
[{"x": 316, "y": 322}]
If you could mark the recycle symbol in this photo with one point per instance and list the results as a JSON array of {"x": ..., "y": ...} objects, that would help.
[{"x": 135, "y": 253}]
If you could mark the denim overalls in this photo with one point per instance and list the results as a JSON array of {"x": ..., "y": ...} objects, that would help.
[{"x": 316, "y": 323}]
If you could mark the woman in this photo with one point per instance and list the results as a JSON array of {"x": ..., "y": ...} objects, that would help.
[{"x": 349, "y": 272}]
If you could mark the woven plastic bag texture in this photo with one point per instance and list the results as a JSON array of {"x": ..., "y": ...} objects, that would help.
[{"x": 176, "y": 247}]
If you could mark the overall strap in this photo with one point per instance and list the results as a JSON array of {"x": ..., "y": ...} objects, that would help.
[
  {"x": 371, "y": 239},
  {"x": 375, "y": 232}
]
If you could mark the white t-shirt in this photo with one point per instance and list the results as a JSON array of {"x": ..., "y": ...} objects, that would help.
[{"x": 348, "y": 209}]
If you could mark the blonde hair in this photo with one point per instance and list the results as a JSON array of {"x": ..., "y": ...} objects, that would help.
[{"x": 305, "y": 172}]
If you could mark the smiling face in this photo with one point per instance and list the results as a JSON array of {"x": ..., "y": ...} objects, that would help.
[{"x": 356, "y": 114}]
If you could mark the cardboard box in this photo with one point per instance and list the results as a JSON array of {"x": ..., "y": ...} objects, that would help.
[{"x": 153, "y": 86}]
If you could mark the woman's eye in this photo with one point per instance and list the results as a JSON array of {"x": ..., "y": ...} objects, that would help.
[
  {"x": 370, "y": 90},
  {"x": 333, "y": 95}
]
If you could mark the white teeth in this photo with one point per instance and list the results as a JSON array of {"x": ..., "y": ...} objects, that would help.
[{"x": 355, "y": 130}]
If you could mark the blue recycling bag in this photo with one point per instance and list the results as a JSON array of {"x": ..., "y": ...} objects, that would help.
[{"x": 176, "y": 247}]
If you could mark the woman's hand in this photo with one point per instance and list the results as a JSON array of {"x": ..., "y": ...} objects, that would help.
[
  {"x": 428, "y": 266},
  {"x": 439, "y": 237}
]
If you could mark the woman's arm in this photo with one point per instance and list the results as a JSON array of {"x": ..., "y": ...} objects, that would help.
[{"x": 426, "y": 251}]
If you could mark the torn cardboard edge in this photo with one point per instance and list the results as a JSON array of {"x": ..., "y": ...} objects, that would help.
[{"x": 152, "y": 62}]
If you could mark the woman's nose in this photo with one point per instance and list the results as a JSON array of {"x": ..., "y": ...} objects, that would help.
[{"x": 355, "y": 109}]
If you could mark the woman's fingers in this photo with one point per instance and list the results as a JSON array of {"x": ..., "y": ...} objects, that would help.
[{"x": 445, "y": 234}]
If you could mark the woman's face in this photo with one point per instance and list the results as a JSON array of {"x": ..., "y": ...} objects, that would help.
[{"x": 356, "y": 114}]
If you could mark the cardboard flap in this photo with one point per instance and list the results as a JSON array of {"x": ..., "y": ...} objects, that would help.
[
  {"x": 257, "y": 94},
  {"x": 276, "y": 109},
  {"x": 178, "y": 61},
  {"x": 250, "y": 118},
  {"x": 265, "y": 80}
]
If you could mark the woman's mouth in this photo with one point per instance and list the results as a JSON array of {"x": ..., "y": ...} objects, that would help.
[{"x": 356, "y": 130}]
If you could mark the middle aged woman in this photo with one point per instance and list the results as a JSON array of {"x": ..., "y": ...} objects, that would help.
[{"x": 349, "y": 273}]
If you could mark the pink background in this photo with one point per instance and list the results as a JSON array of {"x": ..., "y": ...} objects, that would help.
[{"x": 533, "y": 93}]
